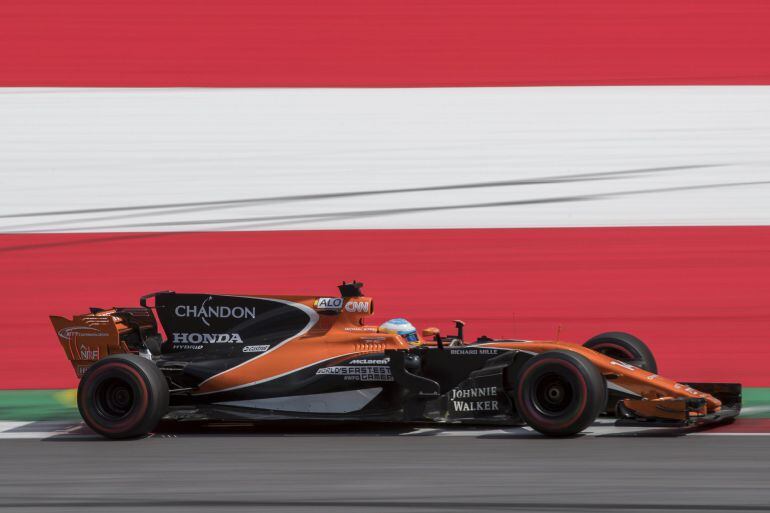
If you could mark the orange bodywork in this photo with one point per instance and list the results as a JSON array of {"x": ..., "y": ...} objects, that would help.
[
  {"x": 343, "y": 333},
  {"x": 91, "y": 337},
  {"x": 333, "y": 336},
  {"x": 660, "y": 397}
]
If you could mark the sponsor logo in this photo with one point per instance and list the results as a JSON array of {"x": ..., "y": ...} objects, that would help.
[
  {"x": 357, "y": 306},
  {"x": 473, "y": 351},
  {"x": 370, "y": 329},
  {"x": 88, "y": 353},
  {"x": 487, "y": 395},
  {"x": 360, "y": 361},
  {"x": 256, "y": 349},
  {"x": 328, "y": 303},
  {"x": 81, "y": 369},
  {"x": 204, "y": 312},
  {"x": 80, "y": 331},
  {"x": 363, "y": 373},
  {"x": 625, "y": 365},
  {"x": 207, "y": 338}
]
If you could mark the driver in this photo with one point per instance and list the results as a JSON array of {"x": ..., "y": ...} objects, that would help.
[{"x": 403, "y": 328}]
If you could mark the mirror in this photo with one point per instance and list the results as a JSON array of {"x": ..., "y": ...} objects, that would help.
[{"x": 429, "y": 332}]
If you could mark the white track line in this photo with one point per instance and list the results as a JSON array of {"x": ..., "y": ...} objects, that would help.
[
  {"x": 751, "y": 410},
  {"x": 40, "y": 430},
  {"x": 603, "y": 428},
  {"x": 717, "y": 433},
  {"x": 9, "y": 425}
]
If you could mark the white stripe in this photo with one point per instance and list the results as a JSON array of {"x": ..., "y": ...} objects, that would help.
[
  {"x": 345, "y": 401},
  {"x": 747, "y": 410},
  {"x": 602, "y": 427},
  {"x": 27, "y": 435},
  {"x": 9, "y": 425},
  {"x": 717, "y": 433},
  {"x": 37, "y": 430},
  {"x": 699, "y": 154}
]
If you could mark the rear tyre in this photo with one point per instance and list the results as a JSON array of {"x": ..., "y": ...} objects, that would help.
[
  {"x": 123, "y": 396},
  {"x": 624, "y": 347},
  {"x": 559, "y": 393}
]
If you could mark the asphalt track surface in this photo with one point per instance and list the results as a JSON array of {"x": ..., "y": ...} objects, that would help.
[{"x": 364, "y": 469}]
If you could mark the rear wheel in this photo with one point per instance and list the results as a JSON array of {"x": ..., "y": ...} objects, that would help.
[
  {"x": 123, "y": 396},
  {"x": 624, "y": 347},
  {"x": 559, "y": 393}
]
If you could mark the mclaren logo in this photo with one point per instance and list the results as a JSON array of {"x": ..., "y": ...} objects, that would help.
[
  {"x": 205, "y": 311},
  {"x": 80, "y": 331},
  {"x": 363, "y": 361}
]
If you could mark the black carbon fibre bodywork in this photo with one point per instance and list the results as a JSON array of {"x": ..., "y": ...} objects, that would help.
[{"x": 452, "y": 385}]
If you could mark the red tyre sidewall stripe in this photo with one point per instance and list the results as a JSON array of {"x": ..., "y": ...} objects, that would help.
[
  {"x": 610, "y": 345},
  {"x": 136, "y": 415},
  {"x": 575, "y": 371}
]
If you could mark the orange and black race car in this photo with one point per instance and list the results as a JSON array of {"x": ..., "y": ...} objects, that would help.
[{"x": 230, "y": 357}]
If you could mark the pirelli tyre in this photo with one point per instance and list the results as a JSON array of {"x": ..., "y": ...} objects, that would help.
[
  {"x": 123, "y": 396},
  {"x": 559, "y": 393},
  {"x": 624, "y": 347}
]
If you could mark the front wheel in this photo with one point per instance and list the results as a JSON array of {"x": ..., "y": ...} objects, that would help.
[
  {"x": 559, "y": 393},
  {"x": 624, "y": 347},
  {"x": 123, "y": 396}
]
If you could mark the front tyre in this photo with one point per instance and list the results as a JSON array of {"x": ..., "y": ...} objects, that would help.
[
  {"x": 123, "y": 396},
  {"x": 624, "y": 347},
  {"x": 559, "y": 393}
]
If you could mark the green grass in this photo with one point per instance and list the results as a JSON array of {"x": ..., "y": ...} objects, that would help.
[
  {"x": 756, "y": 402},
  {"x": 21, "y": 405},
  {"x": 38, "y": 405}
]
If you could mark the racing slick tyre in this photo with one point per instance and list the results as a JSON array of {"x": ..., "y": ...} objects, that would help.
[
  {"x": 559, "y": 393},
  {"x": 624, "y": 347},
  {"x": 123, "y": 396}
]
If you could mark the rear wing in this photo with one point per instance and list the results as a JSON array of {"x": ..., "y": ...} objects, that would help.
[{"x": 89, "y": 338}]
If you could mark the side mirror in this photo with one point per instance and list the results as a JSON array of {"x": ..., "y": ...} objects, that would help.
[
  {"x": 429, "y": 332},
  {"x": 433, "y": 332}
]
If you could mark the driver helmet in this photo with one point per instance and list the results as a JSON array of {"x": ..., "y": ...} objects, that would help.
[{"x": 401, "y": 327}]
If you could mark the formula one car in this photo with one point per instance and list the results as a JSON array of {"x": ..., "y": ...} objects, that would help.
[{"x": 229, "y": 357}]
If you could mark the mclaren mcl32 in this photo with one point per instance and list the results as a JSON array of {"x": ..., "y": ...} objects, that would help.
[{"x": 232, "y": 357}]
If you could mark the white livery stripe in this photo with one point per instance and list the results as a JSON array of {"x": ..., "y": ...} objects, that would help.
[{"x": 333, "y": 402}]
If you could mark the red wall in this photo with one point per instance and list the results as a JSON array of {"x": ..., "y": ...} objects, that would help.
[
  {"x": 383, "y": 42},
  {"x": 699, "y": 296}
]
